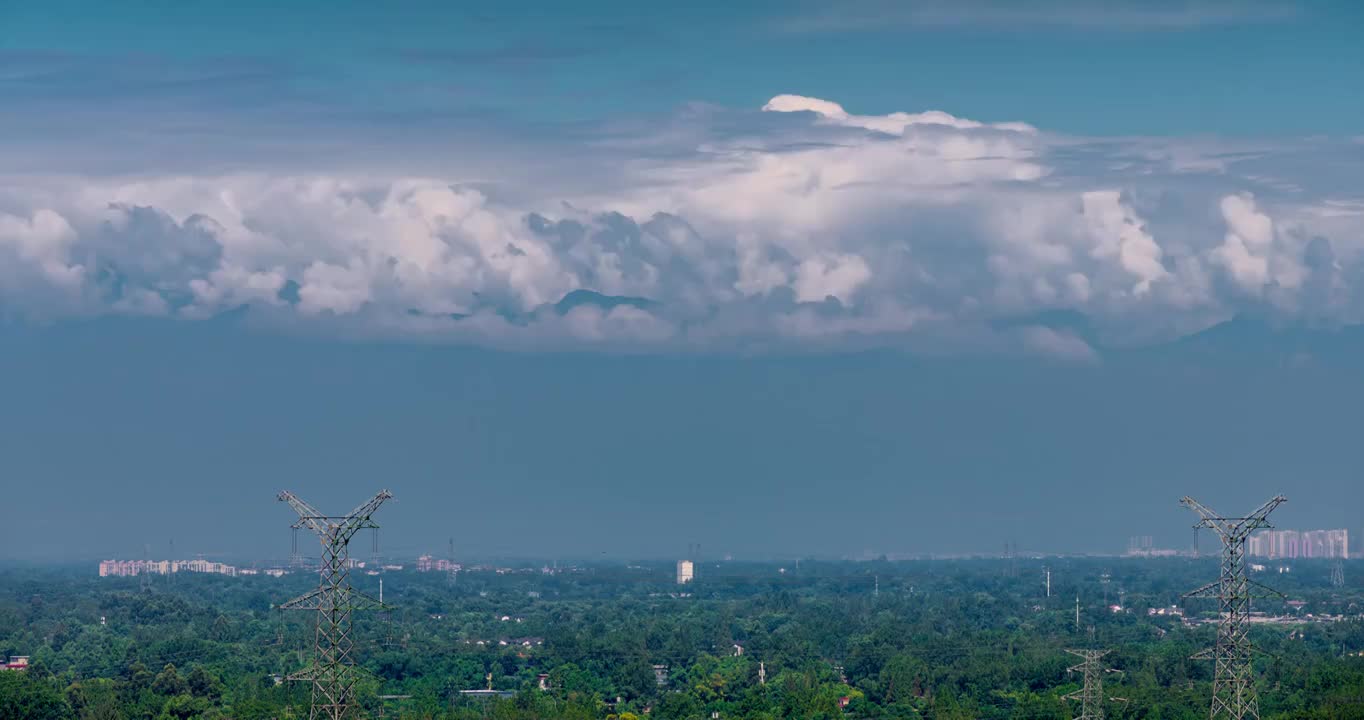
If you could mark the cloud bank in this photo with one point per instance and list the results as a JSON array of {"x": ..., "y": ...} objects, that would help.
[{"x": 803, "y": 226}]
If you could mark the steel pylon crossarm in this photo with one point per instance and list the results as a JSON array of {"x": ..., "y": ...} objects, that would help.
[
  {"x": 367, "y": 508},
  {"x": 308, "y": 516},
  {"x": 320, "y": 598},
  {"x": 1229, "y": 525},
  {"x": 335, "y": 528}
]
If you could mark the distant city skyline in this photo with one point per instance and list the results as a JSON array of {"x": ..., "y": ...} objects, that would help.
[
  {"x": 135, "y": 568},
  {"x": 1271, "y": 544},
  {"x": 1291, "y": 544}
]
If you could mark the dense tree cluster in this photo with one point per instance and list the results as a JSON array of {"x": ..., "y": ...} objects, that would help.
[{"x": 921, "y": 639}]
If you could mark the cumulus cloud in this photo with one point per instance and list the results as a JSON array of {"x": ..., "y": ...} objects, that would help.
[
  {"x": 1058, "y": 344},
  {"x": 35, "y": 262},
  {"x": 1119, "y": 237},
  {"x": 830, "y": 276},
  {"x": 1254, "y": 253},
  {"x": 803, "y": 226}
]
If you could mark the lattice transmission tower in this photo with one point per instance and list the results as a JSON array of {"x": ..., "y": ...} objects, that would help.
[
  {"x": 333, "y": 672},
  {"x": 145, "y": 581},
  {"x": 451, "y": 574},
  {"x": 1233, "y": 685},
  {"x": 1338, "y": 575},
  {"x": 1091, "y": 694}
]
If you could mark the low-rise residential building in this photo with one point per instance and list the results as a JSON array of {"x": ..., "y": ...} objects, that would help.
[
  {"x": 133, "y": 568},
  {"x": 427, "y": 563}
]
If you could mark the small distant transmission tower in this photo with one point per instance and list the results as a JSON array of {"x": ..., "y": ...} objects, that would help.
[
  {"x": 1338, "y": 575},
  {"x": 1233, "y": 685},
  {"x": 333, "y": 670},
  {"x": 146, "y": 573},
  {"x": 386, "y": 615},
  {"x": 1091, "y": 695},
  {"x": 1104, "y": 580},
  {"x": 1011, "y": 559},
  {"x": 383, "y": 699},
  {"x": 451, "y": 575}
]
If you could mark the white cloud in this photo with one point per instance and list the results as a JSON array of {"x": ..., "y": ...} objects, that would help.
[
  {"x": 736, "y": 227},
  {"x": 35, "y": 258},
  {"x": 1056, "y": 344},
  {"x": 893, "y": 124},
  {"x": 1119, "y": 235},
  {"x": 1253, "y": 252},
  {"x": 830, "y": 276}
]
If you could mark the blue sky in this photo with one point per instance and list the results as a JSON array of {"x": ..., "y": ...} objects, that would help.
[
  {"x": 1042, "y": 202},
  {"x": 1166, "y": 67}
]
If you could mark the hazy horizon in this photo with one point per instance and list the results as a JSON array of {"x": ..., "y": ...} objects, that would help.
[{"x": 513, "y": 453}]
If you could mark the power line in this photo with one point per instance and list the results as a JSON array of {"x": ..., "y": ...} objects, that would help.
[{"x": 295, "y": 557}]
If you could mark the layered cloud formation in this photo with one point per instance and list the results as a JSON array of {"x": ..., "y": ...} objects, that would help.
[{"x": 802, "y": 226}]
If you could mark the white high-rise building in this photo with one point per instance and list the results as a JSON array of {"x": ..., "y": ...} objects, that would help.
[
  {"x": 1293, "y": 544},
  {"x": 1326, "y": 544},
  {"x": 685, "y": 572}
]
